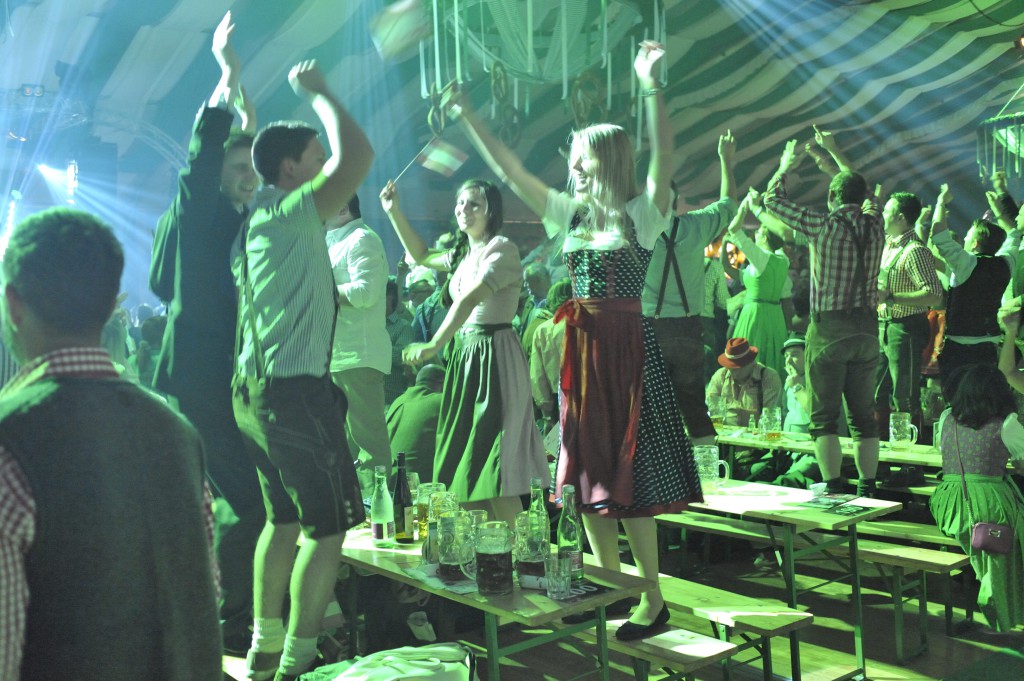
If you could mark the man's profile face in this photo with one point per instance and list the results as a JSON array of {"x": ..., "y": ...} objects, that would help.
[
  {"x": 891, "y": 213},
  {"x": 237, "y": 178},
  {"x": 311, "y": 162}
]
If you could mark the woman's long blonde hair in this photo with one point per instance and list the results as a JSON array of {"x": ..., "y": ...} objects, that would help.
[{"x": 614, "y": 174}]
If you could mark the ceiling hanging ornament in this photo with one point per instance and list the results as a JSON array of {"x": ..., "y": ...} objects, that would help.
[
  {"x": 1001, "y": 142},
  {"x": 536, "y": 41}
]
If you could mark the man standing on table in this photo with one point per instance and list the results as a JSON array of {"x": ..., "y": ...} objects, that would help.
[
  {"x": 907, "y": 287},
  {"x": 290, "y": 413},
  {"x": 105, "y": 528},
  {"x": 191, "y": 270},
  {"x": 842, "y": 340},
  {"x": 673, "y": 296}
]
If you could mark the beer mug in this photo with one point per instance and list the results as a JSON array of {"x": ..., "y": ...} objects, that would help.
[
  {"x": 716, "y": 411},
  {"x": 531, "y": 546},
  {"x": 772, "y": 428},
  {"x": 902, "y": 433},
  {"x": 708, "y": 463},
  {"x": 455, "y": 545},
  {"x": 492, "y": 568}
]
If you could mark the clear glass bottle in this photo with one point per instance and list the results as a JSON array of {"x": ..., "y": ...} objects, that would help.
[
  {"x": 404, "y": 510},
  {"x": 570, "y": 533},
  {"x": 539, "y": 539},
  {"x": 382, "y": 513}
]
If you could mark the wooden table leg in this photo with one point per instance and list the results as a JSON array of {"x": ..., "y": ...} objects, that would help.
[{"x": 491, "y": 642}]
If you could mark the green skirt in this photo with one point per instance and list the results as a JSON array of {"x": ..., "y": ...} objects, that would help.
[
  {"x": 488, "y": 444},
  {"x": 993, "y": 500}
]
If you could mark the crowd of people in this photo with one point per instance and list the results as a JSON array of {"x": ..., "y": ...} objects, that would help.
[{"x": 301, "y": 365}]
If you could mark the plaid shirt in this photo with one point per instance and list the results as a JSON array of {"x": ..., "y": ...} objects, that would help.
[
  {"x": 18, "y": 507},
  {"x": 832, "y": 239},
  {"x": 907, "y": 267}
]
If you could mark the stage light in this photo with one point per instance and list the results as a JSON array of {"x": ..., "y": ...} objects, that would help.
[
  {"x": 32, "y": 90},
  {"x": 72, "y": 180},
  {"x": 12, "y": 210},
  {"x": 1019, "y": 42}
]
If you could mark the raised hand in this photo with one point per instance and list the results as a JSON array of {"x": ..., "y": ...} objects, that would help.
[
  {"x": 647, "y": 58},
  {"x": 223, "y": 52},
  {"x": 389, "y": 197},
  {"x": 726, "y": 146},
  {"x": 824, "y": 139},
  {"x": 923, "y": 218},
  {"x": 945, "y": 196},
  {"x": 788, "y": 158},
  {"x": 999, "y": 181},
  {"x": 307, "y": 80}
]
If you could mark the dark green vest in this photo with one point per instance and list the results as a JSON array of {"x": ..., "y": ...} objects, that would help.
[
  {"x": 119, "y": 570},
  {"x": 972, "y": 306}
]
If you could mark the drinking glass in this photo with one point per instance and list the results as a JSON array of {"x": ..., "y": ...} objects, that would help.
[
  {"x": 557, "y": 576},
  {"x": 902, "y": 433},
  {"x": 708, "y": 464},
  {"x": 772, "y": 429},
  {"x": 716, "y": 410}
]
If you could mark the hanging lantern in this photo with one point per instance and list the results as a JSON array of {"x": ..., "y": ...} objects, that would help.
[{"x": 1001, "y": 145}]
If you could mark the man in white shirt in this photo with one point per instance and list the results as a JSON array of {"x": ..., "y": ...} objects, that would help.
[{"x": 361, "y": 351}]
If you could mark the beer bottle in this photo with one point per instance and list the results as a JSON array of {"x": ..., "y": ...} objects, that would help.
[
  {"x": 382, "y": 519},
  {"x": 404, "y": 509},
  {"x": 570, "y": 533}
]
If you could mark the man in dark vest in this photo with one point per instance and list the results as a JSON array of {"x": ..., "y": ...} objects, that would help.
[
  {"x": 979, "y": 272},
  {"x": 190, "y": 269},
  {"x": 105, "y": 524}
]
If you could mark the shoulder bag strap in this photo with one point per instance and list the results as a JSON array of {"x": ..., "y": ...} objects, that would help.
[{"x": 963, "y": 473}]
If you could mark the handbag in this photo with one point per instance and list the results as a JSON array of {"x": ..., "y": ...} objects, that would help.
[
  {"x": 987, "y": 537},
  {"x": 438, "y": 662}
]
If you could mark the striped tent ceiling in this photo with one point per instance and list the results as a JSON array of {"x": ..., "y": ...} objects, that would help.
[{"x": 902, "y": 83}]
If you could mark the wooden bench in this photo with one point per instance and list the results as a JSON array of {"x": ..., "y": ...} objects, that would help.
[
  {"x": 907, "y": 531},
  {"x": 677, "y": 652},
  {"x": 754, "y": 620},
  {"x": 900, "y": 560},
  {"x": 926, "y": 489}
]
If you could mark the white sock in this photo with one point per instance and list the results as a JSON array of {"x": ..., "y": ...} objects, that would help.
[
  {"x": 298, "y": 653},
  {"x": 268, "y": 635}
]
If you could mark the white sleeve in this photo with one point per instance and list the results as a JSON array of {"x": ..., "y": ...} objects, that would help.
[
  {"x": 1013, "y": 437},
  {"x": 559, "y": 212}
]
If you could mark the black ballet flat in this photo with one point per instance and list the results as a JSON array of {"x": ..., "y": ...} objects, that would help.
[
  {"x": 616, "y": 609},
  {"x": 630, "y": 631}
]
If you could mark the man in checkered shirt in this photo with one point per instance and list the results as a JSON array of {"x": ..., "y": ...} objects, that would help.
[
  {"x": 907, "y": 287},
  {"x": 842, "y": 342}
]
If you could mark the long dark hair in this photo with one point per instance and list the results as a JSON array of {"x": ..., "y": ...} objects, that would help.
[
  {"x": 977, "y": 394},
  {"x": 495, "y": 218}
]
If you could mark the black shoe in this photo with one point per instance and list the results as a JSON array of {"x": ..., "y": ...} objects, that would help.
[
  {"x": 630, "y": 631},
  {"x": 616, "y": 609},
  {"x": 908, "y": 476}
]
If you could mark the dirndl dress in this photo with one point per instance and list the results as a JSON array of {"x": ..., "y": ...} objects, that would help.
[
  {"x": 994, "y": 498},
  {"x": 623, "y": 444},
  {"x": 488, "y": 444}
]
